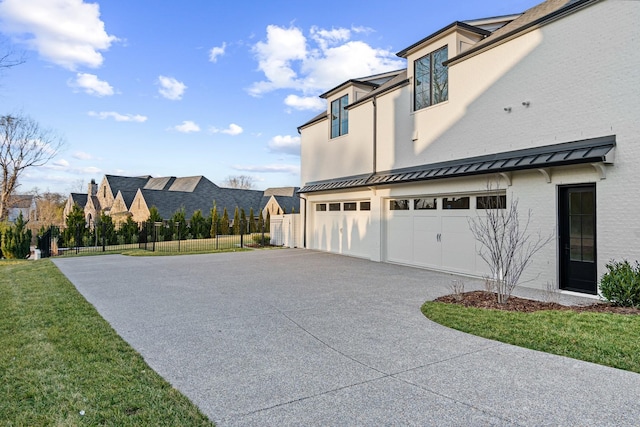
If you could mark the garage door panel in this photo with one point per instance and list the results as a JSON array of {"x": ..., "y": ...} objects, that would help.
[
  {"x": 342, "y": 232},
  {"x": 426, "y": 248},
  {"x": 400, "y": 236}
]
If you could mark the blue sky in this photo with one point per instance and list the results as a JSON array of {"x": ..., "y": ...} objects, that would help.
[{"x": 198, "y": 87}]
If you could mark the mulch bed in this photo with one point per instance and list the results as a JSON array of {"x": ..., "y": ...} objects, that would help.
[{"x": 484, "y": 299}]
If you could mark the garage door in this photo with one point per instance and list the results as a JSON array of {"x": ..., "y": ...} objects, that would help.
[
  {"x": 433, "y": 232},
  {"x": 342, "y": 227}
]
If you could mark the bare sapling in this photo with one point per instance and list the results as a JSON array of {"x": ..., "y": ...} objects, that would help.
[{"x": 506, "y": 243}]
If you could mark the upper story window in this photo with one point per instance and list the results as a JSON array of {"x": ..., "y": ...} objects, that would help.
[
  {"x": 431, "y": 79},
  {"x": 339, "y": 117}
]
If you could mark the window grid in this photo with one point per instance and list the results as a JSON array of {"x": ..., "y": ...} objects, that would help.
[
  {"x": 431, "y": 79},
  {"x": 339, "y": 117}
]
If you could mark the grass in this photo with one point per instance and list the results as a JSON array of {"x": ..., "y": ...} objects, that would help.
[
  {"x": 185, "y": 246},
  {"x": 58, "y": 357},
  {"x": 607, "y": 339}
]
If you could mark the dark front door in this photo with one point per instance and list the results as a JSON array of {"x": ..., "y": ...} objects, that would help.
[{"x": 577, "y": 222}]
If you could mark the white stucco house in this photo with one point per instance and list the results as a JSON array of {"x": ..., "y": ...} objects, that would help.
[{"x": 547, "y": 101}]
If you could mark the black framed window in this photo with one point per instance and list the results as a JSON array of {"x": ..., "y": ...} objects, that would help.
[
  {"x": 339, "y": 117},
  {"x": 365, "y": 206},
  {"x": 431, "y": 79},
  {"x": 423, "y": 204},
  {"x": 455, "y": 203},
  {"x": 350, "y": 206},
  {"x": 334, "y": 206},
  {"x": 399, "y": 205},
  {"x": 491, "y": 202},
  {"x": 321, "y": 207}
]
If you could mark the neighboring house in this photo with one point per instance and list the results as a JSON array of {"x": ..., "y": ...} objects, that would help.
[
  {"x": 74, "y": 198},
  {"x": 283, "y": 200},
  {"x": 122, "y": 197},
  {"x": 399, "y": 162},
  {"x": 25, "y": 204}
]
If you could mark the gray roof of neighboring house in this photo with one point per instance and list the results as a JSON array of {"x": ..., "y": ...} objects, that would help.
[
  {"x": 128, "y": 196},
  {"x": 161, "y": 183},
  {"x": 289, "y": 203},
  {"x": 168, "y": 202},
  {"x": 79, "y": 198},
  {"x": 127, "y": 183},
  {"x": 281, "y": 191},
  {"x": 21, "y": 201}
]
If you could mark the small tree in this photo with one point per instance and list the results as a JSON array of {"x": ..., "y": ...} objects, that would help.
[
  {"x": 267, "y": 224},
  {"x": 197, "y": 225},
  {"x": 215, "y": 221},
  {"x": 252, "y": 221},
  {"x": 506, "y": 244},
  {"x": 129, "y": 231},
  {"x": 154, "y": 215},
  {"x": 243, "y": 222},
  {"x": 106, "y": 230},
  {"x": 224, "y": 223},
  {"x": 178, "y": 224},
  {"x": 237, "y": 227},
  {"x": 16, "y": 240},
  {"x": 76, "y": 225},
  {"x": 261, "y": 222}
]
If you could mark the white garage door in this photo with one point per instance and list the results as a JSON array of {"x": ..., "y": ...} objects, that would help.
[
  {"x": 433, "y": 232},
  {"x": 342, "y": 227}
]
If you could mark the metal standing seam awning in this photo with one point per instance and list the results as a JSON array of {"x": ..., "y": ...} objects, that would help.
[{"x": 595, "y": 150}]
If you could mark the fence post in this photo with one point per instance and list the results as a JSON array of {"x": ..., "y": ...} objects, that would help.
[
  {"x": 178, "y": 233},
  {"x": 241, "y": 228},
  {"x": 215, "y": 230},
  {"x": 102, "y": 227},
  {"x": 77, "y": 238}
]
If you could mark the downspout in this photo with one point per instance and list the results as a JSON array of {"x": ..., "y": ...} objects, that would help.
[
  {"x": 304, "y": 223},
  {"x": 375, "y": 134}
]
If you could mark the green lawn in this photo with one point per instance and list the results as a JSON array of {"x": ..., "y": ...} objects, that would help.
[
  {"x": 61, "y": 364},
  {"x": 607, "y": 339}
]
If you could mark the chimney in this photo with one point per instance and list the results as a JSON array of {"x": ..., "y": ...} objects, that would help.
[{"x": 93, "y": 188}]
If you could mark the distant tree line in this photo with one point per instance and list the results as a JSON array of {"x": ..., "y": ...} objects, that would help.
[{"x": 77, "y": 232}]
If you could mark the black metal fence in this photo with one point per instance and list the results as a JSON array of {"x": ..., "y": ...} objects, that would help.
[{"x": 165, "y": 236}]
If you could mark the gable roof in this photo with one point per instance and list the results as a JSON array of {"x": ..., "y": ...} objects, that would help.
[
  {"x": 532, "y": 18},
  {"x": 570, "y": 153},
  {"x": 127, "y": 183},
  {"x": 21, "y": 201},
  {"x": 127, "y": 197},
  {"x": 79, "y": 198},
  {"x": 288, "y": 203},
  {"x": 455, "y": 25},
  {"x": 161, "y": 183}
]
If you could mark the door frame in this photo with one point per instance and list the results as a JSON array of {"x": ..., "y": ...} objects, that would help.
[{"x": 564, "y": 261}]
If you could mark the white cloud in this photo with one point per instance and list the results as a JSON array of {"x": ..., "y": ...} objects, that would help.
[
  {"x": 275, "y": 58},
  {"x": 217, "y": 51},
  {"x": 291, "y": 169},
  {"x": 285, "y": 144},
  {"x": 91, "y": 85},
  {"x": 171, "y": 88},
  {"x": 187, "y": 126},
  {"x": 62, "y": 163},
  {"x": 66, "y": 32},
  {"x": 313, "y": 103},
  {"x": 232, "y": 130},
  {"x": 81, "y": 155},
  {"x": 311, "y": 65},
  {"x": 118, "y": 117}
]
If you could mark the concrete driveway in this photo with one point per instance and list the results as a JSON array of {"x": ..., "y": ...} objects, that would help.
[{"x": 295, "y": 337}]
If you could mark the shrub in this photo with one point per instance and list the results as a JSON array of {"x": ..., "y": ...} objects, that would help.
[
  {"x": 620, "y": 285},
  {"x": 261, "y": 239},
  {"x": 16, "y": 240}
]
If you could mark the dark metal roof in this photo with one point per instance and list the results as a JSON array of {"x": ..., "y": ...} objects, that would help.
[
  {"x": 407, "y": 51},
  {"x": 569, "y": 153}
]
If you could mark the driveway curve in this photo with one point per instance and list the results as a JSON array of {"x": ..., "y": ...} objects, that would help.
[{"x": 297, "y": 337}]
